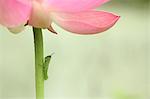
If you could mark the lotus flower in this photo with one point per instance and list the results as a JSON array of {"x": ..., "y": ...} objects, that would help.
[{"x": 76, "y": 16}]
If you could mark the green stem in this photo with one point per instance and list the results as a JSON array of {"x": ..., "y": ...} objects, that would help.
[{"x": 39, "y": 76}]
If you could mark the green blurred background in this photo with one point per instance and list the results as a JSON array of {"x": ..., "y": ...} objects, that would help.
[{"x": 111, "y": 65}]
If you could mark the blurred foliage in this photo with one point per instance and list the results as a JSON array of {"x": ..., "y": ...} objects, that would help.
[
  {"x": 124, "y": 95},
  {"x": 139, "y": 3},
  {"x": 133, "y": 1}
]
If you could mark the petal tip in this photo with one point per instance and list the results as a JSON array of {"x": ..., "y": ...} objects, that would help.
[
  {"x": 110, "y": 25},
  {"x": 117, "y": 18}
]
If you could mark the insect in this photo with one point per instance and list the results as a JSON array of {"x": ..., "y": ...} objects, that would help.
[{"x": 46, "y": 66}]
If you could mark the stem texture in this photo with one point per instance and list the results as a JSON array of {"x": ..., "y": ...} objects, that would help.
[{"x": 39, "y": 76}]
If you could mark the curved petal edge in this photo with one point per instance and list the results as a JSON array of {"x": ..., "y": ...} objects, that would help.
[{"x": 90, "y": 22}]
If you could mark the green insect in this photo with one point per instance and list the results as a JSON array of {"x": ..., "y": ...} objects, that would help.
[{"x": 45, "y": 66}]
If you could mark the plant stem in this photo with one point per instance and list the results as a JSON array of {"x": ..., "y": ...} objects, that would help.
[{"x": 39, "y": 77}]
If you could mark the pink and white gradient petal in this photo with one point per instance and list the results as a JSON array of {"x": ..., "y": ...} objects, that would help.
[
  {"x": 14, "y": 12},
  {"x": 40, "y": 16},
  {"x": 90, "y": 22},
  {"x": 73, "y": 5}
]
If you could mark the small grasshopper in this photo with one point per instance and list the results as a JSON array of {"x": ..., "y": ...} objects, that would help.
[{"x": 45, "y": 66}]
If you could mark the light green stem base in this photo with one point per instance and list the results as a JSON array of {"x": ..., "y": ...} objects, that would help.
[{"x": 39, "y": 76}]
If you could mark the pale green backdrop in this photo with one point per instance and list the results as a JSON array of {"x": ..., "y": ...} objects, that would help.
[{"x": 111, "y": 65}]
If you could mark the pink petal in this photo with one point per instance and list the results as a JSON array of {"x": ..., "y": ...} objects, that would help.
[
  {"x": 90, "y": 22},
  {"x": 14, "y": 12},
  {"x": 40, "y": 16},
  {"x": 16, "y": 30},
  {"x": 73, "y": 5}
]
